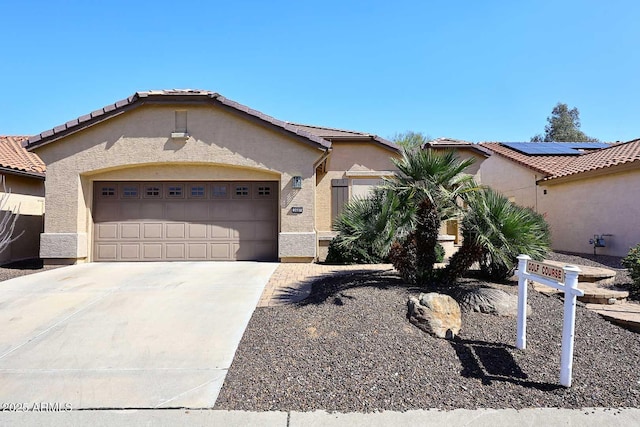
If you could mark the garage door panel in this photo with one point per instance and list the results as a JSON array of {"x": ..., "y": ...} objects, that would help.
[
  {"x": 220, "y": 251},
  {"x": 244, "y": 230},
  {"x": 107, "y": 251},
  {"x": 266, "y": 231},
  {"x": 197, "y": 251},
  {"x": 175, "y": 231},
  {"x": 197, "y": 231},
  {"x": 264, "y": 250},
  {"x": 107, "y": 231},
  {"x": 151, "y": 209},
  {"x": 130, "y": 210},
  {"x": 152, "y": 230},
  {"x": 265, "y": 211},
  {"x": 207, "y": 224},
  {"x": 222, "y": 230},
  {"x": 242, "y": 211},
  {"x": 175, "y": 250},
  {"x": 130, "y": 251},
  {"x": 197, "y": 211},
  {"x": 130, "y": 231},
  {"x": 220, "y": 210},
  {"x": 175, "y": 211},
  {"x": 243, "y": 251},
  {"x": 109, "y": 211},
  {"x": 151, "y": 251}
]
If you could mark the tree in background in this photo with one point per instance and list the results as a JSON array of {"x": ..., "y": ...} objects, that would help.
[
  {"x": 410, "y": 140},
  {"x": 563, "y": 126}
]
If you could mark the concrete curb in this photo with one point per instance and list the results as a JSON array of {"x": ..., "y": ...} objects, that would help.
[{"x": 599, "y": 417}]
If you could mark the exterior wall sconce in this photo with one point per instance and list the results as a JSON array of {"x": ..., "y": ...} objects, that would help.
[{"x": 296, "y": 183}]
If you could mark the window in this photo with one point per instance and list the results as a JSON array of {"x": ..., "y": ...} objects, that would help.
[
  {"x": 152, "y": 191},
  {"x": 108, "y": 191},
  {"x": 129, "y": 192},
  {"x": 219, "y": 191},
  {"x": 242, "y": 191},
  {"x": 197, "y": 191},
  {"x": 174, "y": 191},
  {"x": 264, "y": 191}
]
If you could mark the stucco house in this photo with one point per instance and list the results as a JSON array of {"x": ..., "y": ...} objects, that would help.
[
  {"x": 23, "y": 173},
  {"x": 192, "y": 175},
  {"x": 592, "y": 191}
]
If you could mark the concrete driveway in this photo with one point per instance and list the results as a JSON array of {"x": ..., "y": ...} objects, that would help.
[{"x": 125, "y": 335}]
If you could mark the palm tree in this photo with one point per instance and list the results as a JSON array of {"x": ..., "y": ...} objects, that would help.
[
  {"x": 495, "y": 231},
  {"x": 429, "y": 185}
]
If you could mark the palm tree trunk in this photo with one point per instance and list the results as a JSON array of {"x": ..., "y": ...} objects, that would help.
[
  {"x": 428, "y": 226},
  {"x": 462, "y": 260}
]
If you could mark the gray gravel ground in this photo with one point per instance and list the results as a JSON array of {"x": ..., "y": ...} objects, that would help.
[
  {"x": 22, "y": 268},
  {"x": 350, "y": 348}
]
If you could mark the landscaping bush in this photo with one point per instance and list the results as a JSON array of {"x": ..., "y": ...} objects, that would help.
[
  {"x": 495, "y": 231},
  {"x": 366, "y": 227},
  {"x": 632, "y": 263}
]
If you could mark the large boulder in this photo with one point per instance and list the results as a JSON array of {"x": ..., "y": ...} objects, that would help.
[
  {"x": 492, "y": 301},
  {"x": 436, "y": 314}
]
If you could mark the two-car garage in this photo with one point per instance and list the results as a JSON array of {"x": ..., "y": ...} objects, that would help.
[{"x": 190, "y": 221}]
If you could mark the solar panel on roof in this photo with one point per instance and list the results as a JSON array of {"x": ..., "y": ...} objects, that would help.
[{"x": 554, "y": 148}]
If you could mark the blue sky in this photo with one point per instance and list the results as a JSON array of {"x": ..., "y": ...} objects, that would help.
[{"x": 473, "y": 70}]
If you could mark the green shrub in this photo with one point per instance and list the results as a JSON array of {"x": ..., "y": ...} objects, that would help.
[
  {"x": 440, "y": 253},
  {"x": 341, "y": 252},
  {"x": 366, "y": 227},
  {"x": 632, "y": 263},
  {"x": 495, "y": 231}
]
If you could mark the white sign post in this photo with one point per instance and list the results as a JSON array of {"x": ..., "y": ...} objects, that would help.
[{"x": 564, "y": 279}]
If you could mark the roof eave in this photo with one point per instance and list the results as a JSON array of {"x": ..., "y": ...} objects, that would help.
[
  {"x": 591, "y": 173},
  {"x": 143, "y": 98},
  {"x": 19, "y": 172}
]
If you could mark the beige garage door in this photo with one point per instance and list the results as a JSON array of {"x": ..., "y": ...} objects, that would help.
[{"x": 188, "y": 221}]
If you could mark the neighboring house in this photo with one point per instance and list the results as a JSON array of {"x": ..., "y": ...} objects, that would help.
[
  {"x": 24, "y": 180},
  {"x": 586, "y": 191},
  {"x": 192, "y": 175}
]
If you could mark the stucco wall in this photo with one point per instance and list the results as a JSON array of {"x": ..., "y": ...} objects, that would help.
[
  {"x": 141, "y": 138},
  {"x": 348, "y": 156},
  {"x": 606, "y": 204},
  {"x": 516, "y": 182}
]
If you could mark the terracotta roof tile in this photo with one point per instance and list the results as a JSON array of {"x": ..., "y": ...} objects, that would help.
[
  {"x": 456, "y": 144},
  {"x": 14, "y": 156},
  {"x": 617, "y": 154},
  {"x": 548, "y": 165},
  {"x": 167, "y": 96},
  {"x": 337, "y": 134}
]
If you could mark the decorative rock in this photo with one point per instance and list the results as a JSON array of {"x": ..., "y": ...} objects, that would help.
[
  {"x": 436, "y": 314},
  {"x": 493, "y": 301}
]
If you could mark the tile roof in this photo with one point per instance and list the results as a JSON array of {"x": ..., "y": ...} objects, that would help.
[
  {"x": 556, "y": 166},
  {"x": 547, "y": 165},
  {"x": 342, "y": 134},
  {"x": 166, "y": 96},
  {"x": 13, "y": 156},
  {"x": 618, "y": 154},
  {"x": 457, "y": 143}
]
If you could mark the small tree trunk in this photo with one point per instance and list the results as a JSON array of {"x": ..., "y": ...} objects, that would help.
[
  {"x": 462, "y": 260},
  {"x": 427, "y": 228}
]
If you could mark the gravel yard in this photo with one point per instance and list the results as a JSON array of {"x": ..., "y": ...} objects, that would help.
[
  {"x": 350, "y": 348},
  {"x": 22, "y": 268}
]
